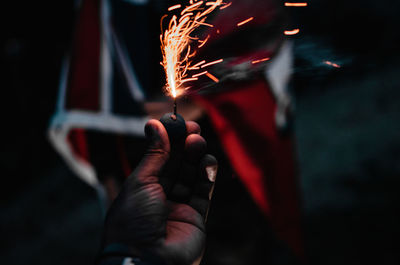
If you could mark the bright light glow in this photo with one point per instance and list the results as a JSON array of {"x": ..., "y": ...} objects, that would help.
[{"x": 177, "y": 44}]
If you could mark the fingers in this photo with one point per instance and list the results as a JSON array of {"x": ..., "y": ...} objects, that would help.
[
  {"x": 170, "y": 174},
  {"x": 195, "y": 148},
  {"x": 192, "y": 128},
  {"x": 200, "y": 200},
  {"x": 156, "y": 155}
]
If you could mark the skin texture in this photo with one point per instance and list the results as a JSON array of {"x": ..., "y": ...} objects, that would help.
[{"x": 161, "y": 210}]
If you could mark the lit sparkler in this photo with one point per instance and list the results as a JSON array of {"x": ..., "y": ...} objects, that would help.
[{"x": 178, "y": 45}]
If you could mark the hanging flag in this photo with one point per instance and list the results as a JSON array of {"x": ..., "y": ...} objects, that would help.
[{"x": 99, "y": 91}]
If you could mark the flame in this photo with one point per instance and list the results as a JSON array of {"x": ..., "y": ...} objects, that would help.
[{"x": 177, "y": 43}]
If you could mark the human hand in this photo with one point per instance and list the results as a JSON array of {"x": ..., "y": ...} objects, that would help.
[{"x": 161, "y": 210}]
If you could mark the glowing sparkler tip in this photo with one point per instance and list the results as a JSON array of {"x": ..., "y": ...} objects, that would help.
[{"x": 177, "y": 43}]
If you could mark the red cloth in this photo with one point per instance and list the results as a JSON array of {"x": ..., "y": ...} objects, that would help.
[
  {"x": 84, "y": 76},
  {"x": 244, "y": 119}
]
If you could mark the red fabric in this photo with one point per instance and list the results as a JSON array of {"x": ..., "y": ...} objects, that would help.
[
  {"x": 83, "y": 80},
  {"x": 77, "y": 140},
  {"x": 244, "y": 121},
  {"x": 227, "y": 19}
]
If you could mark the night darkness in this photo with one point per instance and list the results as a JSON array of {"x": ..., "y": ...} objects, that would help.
[{"x": 347, "y": 124}]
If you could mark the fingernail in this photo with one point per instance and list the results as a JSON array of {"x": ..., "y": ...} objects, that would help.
[{"x": 212, "y": 172}]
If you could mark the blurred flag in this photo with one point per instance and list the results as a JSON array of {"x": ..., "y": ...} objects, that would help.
[
  {"x": 250, "y": 109},
  {"x": 98, "y": 91}
]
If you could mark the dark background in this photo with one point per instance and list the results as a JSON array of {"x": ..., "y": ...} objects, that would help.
[{"x": 347, "y": 124}]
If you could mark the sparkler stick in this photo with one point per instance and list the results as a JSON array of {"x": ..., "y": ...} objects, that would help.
[{"x": 178, "y": 47}]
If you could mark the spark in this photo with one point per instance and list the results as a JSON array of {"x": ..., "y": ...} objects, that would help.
[
  {"x": 200, "y": 74},
  {"x": 225, "y": 6},
  {"x": 213, "y": 62},
  {"x": 205, "y": 24},
  {"x": 191, "y": 7},
  {"x": 178, "y": 45},
  {"x": 196, "y": 66},
  {"x": 174, "y": 7},
  {"x": 189, "y": 79},
  {"x": 216, "y": 80},
  {"x": 203, "y": 42},
  {"x": 332, "y": 64},
  {"x": 245, "y": 21},
  {"x": 260, "y": 60},
  {"x": 296, "y": 4},
  {"x": 292, "y": 32}
]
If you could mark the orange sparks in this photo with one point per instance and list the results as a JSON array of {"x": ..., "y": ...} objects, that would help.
[
  {"x": 200, "y": 74},
  {"x": 189, "y": 79},
  {"x": 225, "y": 6},
  {"x": 332, "y": 64},
  {"x": 213, "y": 62},
  {"x": 203, "y": 42},
  {"x": 292, "y": 32},
  {"x": 196, "y": 66},
  {"x": 296, "y": 4},
  {"x": 245, "y": 21},
  {"x": 178, "y": 46},
  {"x": 174, "y": 7},
  {"x": 192, "y": 7},
  {"x": 216, "y": 80},
  {"x": 260, "y": 60}
]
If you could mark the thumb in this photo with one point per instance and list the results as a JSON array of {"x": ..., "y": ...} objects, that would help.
[{"x": 156, "y": 156}]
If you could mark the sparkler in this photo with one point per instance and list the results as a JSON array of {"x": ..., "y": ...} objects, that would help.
[{"x": 178, "y": 47}]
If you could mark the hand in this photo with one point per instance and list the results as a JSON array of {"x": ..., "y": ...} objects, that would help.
[{"x": 161, "y": 210}]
